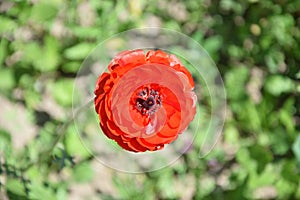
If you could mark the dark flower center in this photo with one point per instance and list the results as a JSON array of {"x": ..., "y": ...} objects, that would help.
[{"x": 148, "y": 101}]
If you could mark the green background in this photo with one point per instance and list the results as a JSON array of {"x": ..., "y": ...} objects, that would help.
[{"x": 256, "y": 46}]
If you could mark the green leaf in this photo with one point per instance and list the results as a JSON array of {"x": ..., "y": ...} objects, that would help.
[
  {"x": 262, "y": 155},
  {"x": 207, "y": 185},
  {"x": 32, "y": 52},
  {"x": 244, "y": 159},
  {"x": 7, "y": 80},
  {"x": 235, "y": 51},
  {"x": 238, "y": 192},
  {"x": 7, "y": 26},
  {"x": 281, "y": 28},
  {"x": 3, "y": 50},
  {"x": 73, "y": 144},
  {"x": 50, "y": 57},
  {"x": 43, "y": 11},
  {"x": 5, "y": 143},
  {"x": 78, "y": 51},
  {"x": 16, "y": 187},
  {"x": 61, "y": 159},
  {"x": 231, "y": 135},
  {"x": 268, "y": 177},
  {"x": 83, "y": 172},
  {"x": 247, "y": 114},
  {"x": 297, "y": 76},
  {"x": 289, "y": 169},
  {"x": 235, "y": 81},
  {"x": 34, "y": 173},
  {"x": 166, "y": 185},
  {"x": 212, "y": 44},
  {"x": 61, "y": 193},
  {"x": 43, "y": 58},
  {"x": 279, "y": 141},
  {"x": 297, "y": 193},
  {"x": 62, "y": 91},
  {"x": 277, "y": 84},
  {"x": 296, "y": 149},
  {"x": 252, "y": 117},
  {"x": 39, "y": 191},
  {"x": 26, "y": 81},
  {"x": 287, "y": 120},
  {"x": 285, "y": 189},
  {"x": 86, "y": 32},
  {"x": 273, "y": 60},
  {"x": 32, "y": 98},
  {"x": 71, "y": 67}
]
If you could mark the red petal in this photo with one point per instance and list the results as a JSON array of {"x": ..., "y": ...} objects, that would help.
[
  {"x": 156, "y": 140},
  {"x": 174, "y": 120},
  {"x": 182, "y": 69},
  {"x": 123, "y": 144},
  {"x": 136, "y": 145},
  {"x": 172, "y": 100},
  {"x": 97, "y": 101},
  {"x": 102, "y": 114},
  {"x": 159, "y": 57},
  {"x": 144, "y": 143},
  {"x": 113, "y": 128},
  {"x": 101, "y": 82},
  {"x": 127, "y": 58},
  {"x": 107, "y": 108}
]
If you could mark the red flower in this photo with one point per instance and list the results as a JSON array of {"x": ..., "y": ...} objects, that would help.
[{"x": 145, "y": 100}]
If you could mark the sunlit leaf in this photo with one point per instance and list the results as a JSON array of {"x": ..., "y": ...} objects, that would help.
[
  {"x": 43, "y": 11},
  {"x": 277, "y": 85},
  {"x": 296, "y": 149},
  {"x": 79, "y": 51},
  {"x": 73, "y": 144},
  {"x": 62, "y": 91},
  {"x": 7, "y": 80},
  {"x": 83, "y": 172}
]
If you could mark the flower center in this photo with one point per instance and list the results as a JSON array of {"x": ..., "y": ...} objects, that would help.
[{"x": 147, "y": 101}]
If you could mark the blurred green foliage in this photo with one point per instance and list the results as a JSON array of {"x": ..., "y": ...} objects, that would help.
[{"x": 256, "y": 46}]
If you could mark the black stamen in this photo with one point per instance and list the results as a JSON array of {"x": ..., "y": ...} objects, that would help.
[{"x": 148, "y": 101}]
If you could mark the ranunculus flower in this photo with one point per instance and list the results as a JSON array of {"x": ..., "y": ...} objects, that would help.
[{"x": 145, "y": 100}]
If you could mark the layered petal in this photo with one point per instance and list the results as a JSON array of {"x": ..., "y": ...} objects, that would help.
[{"x": 145, "y": 101}]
